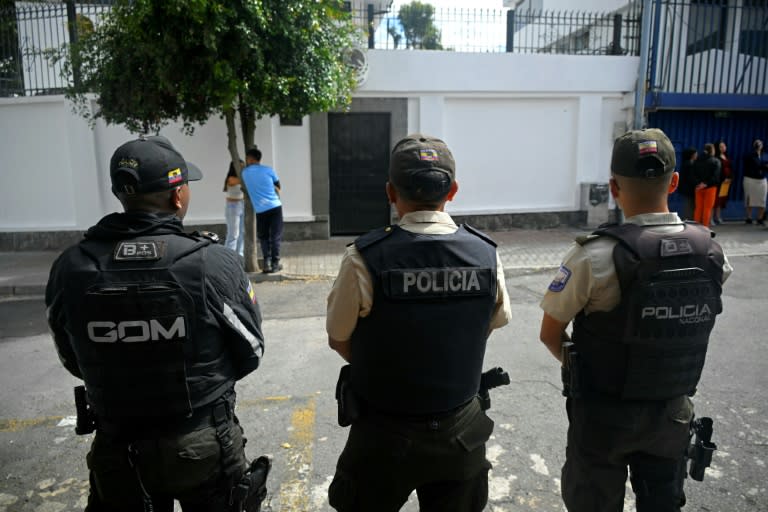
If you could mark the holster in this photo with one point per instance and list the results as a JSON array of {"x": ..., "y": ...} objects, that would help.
[
  {"x": 86, "y": 419},
  {"x": 701, "y": 449},
  {"x": 251, "y": 490},
  {"x": 348, "y": 403},
  {"x": 490, "y": 379},
  {"x": 570, "y": 372}
]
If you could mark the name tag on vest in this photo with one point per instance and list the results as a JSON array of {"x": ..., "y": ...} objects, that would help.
[{"x": 438, "y": 282}]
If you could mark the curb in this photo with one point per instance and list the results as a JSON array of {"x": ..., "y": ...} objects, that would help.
[{"x": 22, "y": 290}]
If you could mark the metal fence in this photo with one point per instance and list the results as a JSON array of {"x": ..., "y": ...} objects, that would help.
[
  {"x": 32, "y": 34},
  {"x": 506, "y": 30},
  {"x": 710, "y": 47}
]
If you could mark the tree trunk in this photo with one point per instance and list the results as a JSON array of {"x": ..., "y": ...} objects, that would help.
[{"x": 247, "y": 127}]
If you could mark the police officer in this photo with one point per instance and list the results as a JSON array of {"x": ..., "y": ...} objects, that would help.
[
  {"x": 642, "y": 297},
  {"x": 159, "y": 324},
  {"x": 411, "y": 310}
]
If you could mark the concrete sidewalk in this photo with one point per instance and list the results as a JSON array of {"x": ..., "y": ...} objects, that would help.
[{"x": 26, "y": 273}]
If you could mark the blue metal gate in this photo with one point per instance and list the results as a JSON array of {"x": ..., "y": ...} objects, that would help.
[{"x": 695, "y": 128}]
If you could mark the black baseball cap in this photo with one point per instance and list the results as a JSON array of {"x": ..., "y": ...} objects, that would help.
[
  {"x": 413, "y": 163},
  {"x": 643, "y": 154},
  {"x": 149, "y": 164}
]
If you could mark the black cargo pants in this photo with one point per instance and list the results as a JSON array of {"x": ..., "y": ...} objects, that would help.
[
  {"x": 196, "y": 468},
  {"x": 605, "y": 437},
  {"x": 443, "y": 459}
]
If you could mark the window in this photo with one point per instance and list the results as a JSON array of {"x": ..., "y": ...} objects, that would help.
[
  {"x": 753, "y": 36},
  {"x": 290, "y": 121},
  {"x": 706, "y": 25}
]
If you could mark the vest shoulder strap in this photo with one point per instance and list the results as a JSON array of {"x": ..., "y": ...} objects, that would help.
[
  {"x": 373, "y": 237},
  {"x": 478, "y": 234}
]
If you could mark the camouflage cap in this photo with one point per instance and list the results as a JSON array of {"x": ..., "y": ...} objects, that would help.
[
  {"x": 643, "y": 154},
  {"x": 422, "y": 166}
]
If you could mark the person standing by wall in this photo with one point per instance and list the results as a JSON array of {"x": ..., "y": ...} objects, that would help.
[
  {"x": 411, "y": 310},
  {"x": 687, "y": 187},
  {"x": 629, "y": 368},
  {"x": 263, "y": 188},
  {"x": 707, "y": 173},
  {"x": 159, "y": 336},
  {"x": 234, "y": 213},
  {"x": 755, "y": 188},
  {"x": 726, "y": 178}
]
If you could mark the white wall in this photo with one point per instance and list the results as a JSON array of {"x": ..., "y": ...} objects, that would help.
[{"x": 525, "y": 131}]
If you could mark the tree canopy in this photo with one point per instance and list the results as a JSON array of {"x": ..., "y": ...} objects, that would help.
[
  {"x": 417, "y": 20},
  {"x": 155, "y": 61}
]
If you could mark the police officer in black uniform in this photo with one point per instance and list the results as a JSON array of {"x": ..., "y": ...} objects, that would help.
[
  {"x": 159, "y": 324},
  {"x": 643, "y": 297},
  {"x": 411, "y": 310}
]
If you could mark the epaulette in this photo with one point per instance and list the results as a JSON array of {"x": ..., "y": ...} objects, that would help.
[
  {"x": 583, "y": 239},
  {"x": 372, "y": 237},
  {"x": 479, "y": 234},
  {"x": 208, "y": 235}
]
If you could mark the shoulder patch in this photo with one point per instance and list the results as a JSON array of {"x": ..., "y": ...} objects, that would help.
[
  {"x": 372, "y": 237},
  {"x": 251, "y": 292},
  {"x": 560, "y": 280},
  {"x": 479, "y": 234}
]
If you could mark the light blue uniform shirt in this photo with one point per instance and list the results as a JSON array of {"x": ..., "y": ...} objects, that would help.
[{"x": 260, "y": 183}]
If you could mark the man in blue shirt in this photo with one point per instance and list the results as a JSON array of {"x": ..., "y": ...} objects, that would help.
[{"x": 263, "y": 188}]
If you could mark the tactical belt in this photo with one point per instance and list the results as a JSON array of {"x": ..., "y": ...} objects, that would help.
[
  {"x": 211, "y": 415},
  {"x": 432, "y": 421}
]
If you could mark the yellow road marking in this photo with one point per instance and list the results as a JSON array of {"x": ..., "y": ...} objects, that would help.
[
  {"x": 15, "y": 425},
  {"x": 294, "y": 492}
]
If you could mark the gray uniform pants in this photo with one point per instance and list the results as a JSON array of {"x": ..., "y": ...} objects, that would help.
[
  {"x": 443, "y": 459},
  {"x": 605, "y": 437}
]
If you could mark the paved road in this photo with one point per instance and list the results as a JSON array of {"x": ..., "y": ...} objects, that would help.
[{"x": 288, "y": 409}]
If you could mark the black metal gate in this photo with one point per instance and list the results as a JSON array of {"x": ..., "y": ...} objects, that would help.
[
  {"x": 358, "y": 154},
  {"x": 695, "y": 128}
]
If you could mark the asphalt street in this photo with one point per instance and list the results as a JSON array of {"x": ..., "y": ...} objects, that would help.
[{"x": 288, "y": 409}]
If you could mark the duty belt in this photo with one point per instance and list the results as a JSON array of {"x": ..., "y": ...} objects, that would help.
[{"x": 217, "y": 412}]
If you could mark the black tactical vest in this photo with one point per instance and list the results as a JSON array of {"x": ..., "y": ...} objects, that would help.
[
  {"x": 653, "y": 344},
  {"x": 146, "y": 344},
  {"x": 421, "y": 348}
]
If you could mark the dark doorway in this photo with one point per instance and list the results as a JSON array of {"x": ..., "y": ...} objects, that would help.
[{"x": 358, "y": 147}]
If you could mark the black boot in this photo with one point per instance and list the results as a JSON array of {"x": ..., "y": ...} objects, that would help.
[
  {"x": 276, "y": 265},
  {"x": 266, "y": 267}
]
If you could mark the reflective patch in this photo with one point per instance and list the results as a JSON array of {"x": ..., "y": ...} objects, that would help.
[
  {"x": 560, "y": 280},
  {"x": 241, "y": 329},
  {"x": 251, "y": 293},
  {"x": 138, "y": 250}
]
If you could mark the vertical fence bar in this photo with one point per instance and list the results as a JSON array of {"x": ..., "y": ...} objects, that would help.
[
  {"x": 73, "y": 38},
  {"x": 510, "y": 31},
  {"x": 616, "y": 44},
  {"x": 654, "y": 44},
  {"x": 371, "y": 43}
]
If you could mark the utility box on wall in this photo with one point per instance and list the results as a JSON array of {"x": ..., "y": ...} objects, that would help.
[{"x": 594, "y": 200}]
